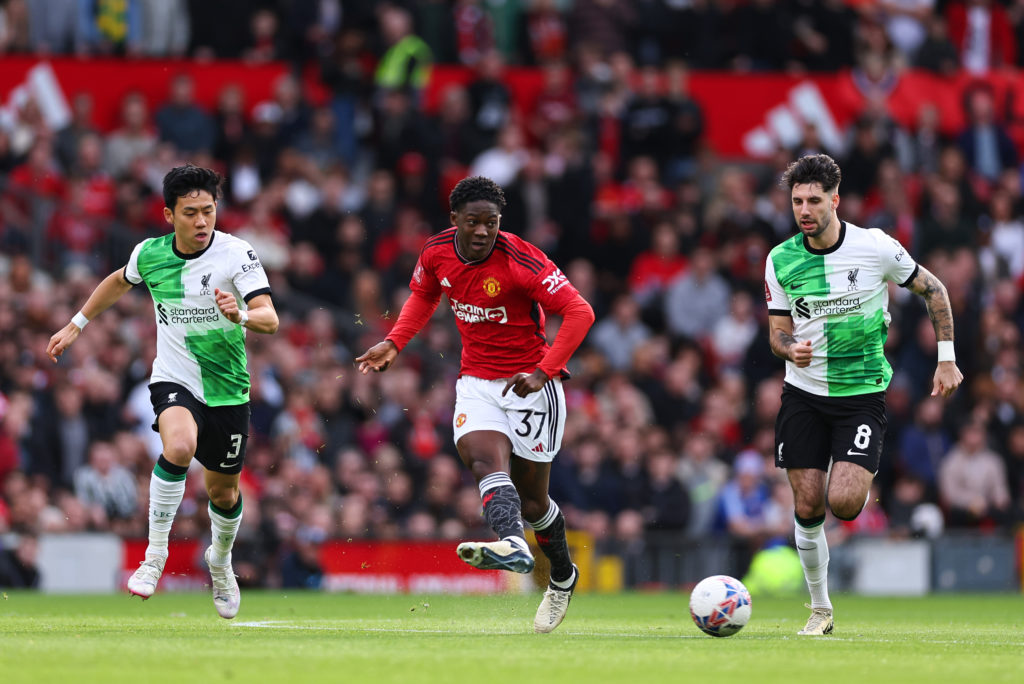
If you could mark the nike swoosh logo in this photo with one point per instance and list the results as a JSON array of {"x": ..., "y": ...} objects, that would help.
[
  {"x": 851, "y": 452},
  {"x": 228, "y": 465},
  {"x": 797, "y": 286},
  {"x": 806, "y": 548}
]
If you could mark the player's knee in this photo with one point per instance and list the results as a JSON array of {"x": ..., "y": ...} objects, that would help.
[
  {"x": 808, "y": 510},
  {"x": 534, "y": 509},
  {"x": 846, "y": 508},
  {"x": 179, "y": 451},
  {"x": 223, "y": 498}
]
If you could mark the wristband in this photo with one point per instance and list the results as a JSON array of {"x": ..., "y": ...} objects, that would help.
[
  {"x": 244, "y": 316},
  {"x": 80, "y": 320},
  {"x": 946, "y": 352}
]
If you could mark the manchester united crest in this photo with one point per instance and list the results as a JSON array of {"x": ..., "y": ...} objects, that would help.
[
  {"x": 460, "y": 420},
  {"x": 491, "y": 286}
]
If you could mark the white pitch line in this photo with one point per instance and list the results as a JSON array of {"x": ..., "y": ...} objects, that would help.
[{"x": 280, "y": 624}]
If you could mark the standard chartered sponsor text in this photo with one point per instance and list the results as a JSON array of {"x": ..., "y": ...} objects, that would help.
[
  {"x": 193, "y": 314},
  {"x": 836, "y": 306}
]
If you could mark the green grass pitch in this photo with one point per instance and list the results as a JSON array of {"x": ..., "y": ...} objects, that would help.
[{"x": 635, "y": 638}]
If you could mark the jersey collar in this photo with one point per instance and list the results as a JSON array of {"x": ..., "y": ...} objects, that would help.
[
  {"x": 828, "y": 250},
  {"x": 193, "y": 255}
]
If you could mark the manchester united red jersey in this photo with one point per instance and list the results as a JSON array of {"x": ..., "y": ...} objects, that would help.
[{"x": 498, "y": 302}]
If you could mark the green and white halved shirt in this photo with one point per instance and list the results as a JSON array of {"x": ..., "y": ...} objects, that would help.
[
  {"x": 839, "y": 300},
  {"x": 197, "y": 346}
]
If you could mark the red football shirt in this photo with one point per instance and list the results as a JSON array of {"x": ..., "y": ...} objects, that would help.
[{"x": 498, "y": 302}]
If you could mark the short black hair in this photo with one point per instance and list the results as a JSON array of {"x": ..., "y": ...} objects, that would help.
[
  {"x": 814, "y": 168},
  {"x": 182, "y": 181},
  {"x": 476, "y": 188}
]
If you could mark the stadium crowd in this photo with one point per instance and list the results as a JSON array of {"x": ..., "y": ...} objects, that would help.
[{"x": 674, "y": 394}]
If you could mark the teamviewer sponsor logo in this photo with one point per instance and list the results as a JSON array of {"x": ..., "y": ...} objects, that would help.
[
  {"x": 471, "y": 313},
  {"x": 802, "y": 310}
]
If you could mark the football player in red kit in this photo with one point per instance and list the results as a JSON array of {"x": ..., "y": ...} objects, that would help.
[{"x": 509, "y": 406}]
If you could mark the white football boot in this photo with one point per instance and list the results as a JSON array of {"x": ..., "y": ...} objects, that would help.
[
  {"x": 226, "y": 597},
  {"x": 497, "y": 555},
  {"x": 554, "y": 605},
  {"x": 144, "y": 580},
  {"x": 819, "y": 624}
]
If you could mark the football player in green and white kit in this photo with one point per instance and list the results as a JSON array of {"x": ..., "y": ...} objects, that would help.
[
  {"x": 827, "y": 294},
  {"x": 198, "y": 279}
]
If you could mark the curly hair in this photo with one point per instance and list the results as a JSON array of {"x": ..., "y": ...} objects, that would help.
[
  {"x": 814, "y": 168},
  {"x": 476, "y": 188},
  {"x": 182, "y": 181}
]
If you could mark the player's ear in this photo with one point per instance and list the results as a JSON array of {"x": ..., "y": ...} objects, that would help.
[
  {"x": 452, "y": 215},
  {"x": 168, "y": 215}
]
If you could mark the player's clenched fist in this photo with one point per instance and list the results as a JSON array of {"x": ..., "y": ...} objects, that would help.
[
  {"x": 228, "y": 305},
  {"x": 800, "y": 354}
]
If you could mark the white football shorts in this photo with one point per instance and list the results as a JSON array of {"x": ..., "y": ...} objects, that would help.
[{"x": 534, "y": 423}]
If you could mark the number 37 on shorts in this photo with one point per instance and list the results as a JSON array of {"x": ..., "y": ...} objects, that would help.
[{"x": 534, "y": 423}]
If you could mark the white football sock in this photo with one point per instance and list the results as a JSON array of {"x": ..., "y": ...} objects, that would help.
[
  {"x": 223, "y": 530},
  {"x": 165, "y": 493},
  {"x": 813, "y": 550}
]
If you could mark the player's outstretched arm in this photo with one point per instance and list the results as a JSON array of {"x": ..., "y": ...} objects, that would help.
[
  {"x": 102, "y": 298},
  {"x": 378, "y": 357},
  {"x": 936, "y": 300},
  {"x": 261, "y": 316}
]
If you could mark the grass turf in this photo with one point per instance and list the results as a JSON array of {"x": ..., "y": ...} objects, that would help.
[{"x": 636, "y": 638}]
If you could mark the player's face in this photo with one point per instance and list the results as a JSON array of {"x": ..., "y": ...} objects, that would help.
[
  {"x": 813, "y": 208},
  {"x": 477, "y": 223},
  {"x": 193, "y": 218}
]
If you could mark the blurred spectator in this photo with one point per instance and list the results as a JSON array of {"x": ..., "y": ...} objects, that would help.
[
  {"x": 666, "y": 501},
  {"x": 823, "y": 40},
  {"x": 490, "y": 99},
  {"x": 15, "y": 32},
  {"x": 924, "y": 443},
  {"x": 474, "y": 31},
  {"x": 545, "y": 34},
  {"x": 647, "y": 121},
  {"x": 620, "y": 333},
  {"x": 980, "y": 31},
  {"x": 105, "y": 486},
  {"x": 81, "y": 124},
  {"x": 734, "y": 333},
  {"x": 605, "y": 22},
  {"x": 743, "y": 505},
  {"x": 698, "y": 299},
  {"x": 18, "y": 568},
  {"x": 133, "y": 140},
  {"x": 655, "y": 268},
  {"x": 182, "y": 122},
  {"x": 407, "y": 61},
  {"x": 59, "y": 26},
  {"x": 906, "y": 23},
  {"x": 985, "y": 143},
  {"x": 972, "y": 481},
  {"x": 937, "y": 53},
  {"x": 164, "y": 27},
  {"x": 265, "y": 41}
]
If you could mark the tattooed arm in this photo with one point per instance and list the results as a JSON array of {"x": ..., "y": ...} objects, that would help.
[
  {"x": 947, "y": 376},
  {"x": 784, "y": 345}
]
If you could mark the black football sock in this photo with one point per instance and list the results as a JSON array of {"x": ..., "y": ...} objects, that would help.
[
  {"x": 550, "y": 534},
  {"x": 502, "y": 507}
]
